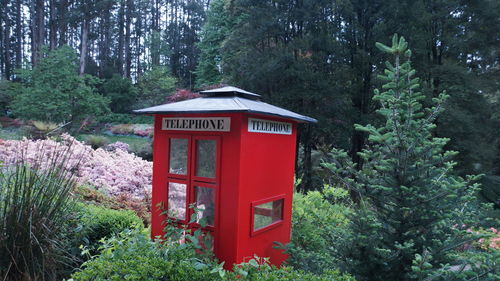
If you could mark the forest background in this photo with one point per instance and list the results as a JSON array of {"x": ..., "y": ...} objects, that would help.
[{"x": 315, "y": 57}]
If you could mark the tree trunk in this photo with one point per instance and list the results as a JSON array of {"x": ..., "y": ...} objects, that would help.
[
  {"x": 138, "y": 47},
  {"x": 53, "y": 24},
  {"x": 307, "y": 160},
  {"x": 63, "y": 25},
  {"x": 155, "y": 40},
  {"x": 3, "y": 25},
  {"x": 84, "y": 45},
  {"x": 128, "y": 58},
  {"x": 6, "y": 46},
  {"x": 37, "y": 12},
  {"x": 106, "y": 34},
  {"x": 19, "y": 35},
  {"x": 121, "y": 15}
]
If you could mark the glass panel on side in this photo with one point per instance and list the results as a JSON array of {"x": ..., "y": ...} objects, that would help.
[
  {"x": 267, "y": 214},
  {"x": 205, "y": 203},
  {"x": 177, "y": 200},
  {"x": 178, "y": 156},
  {"x": 206, "y": 158}
]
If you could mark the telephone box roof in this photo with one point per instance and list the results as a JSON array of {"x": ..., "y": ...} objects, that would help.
[{"x": 225, "y": 99}]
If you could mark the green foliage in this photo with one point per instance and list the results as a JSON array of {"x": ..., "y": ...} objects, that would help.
[
  {"x": 214, "y": 32},
  {"x": 412, "y": 203},
  {"x": 133, "y": 256},
  {"x": 8, "y": 90},
  {"x": 35, "y": 203},
  {"x": 123, "y": 118},
  {"x": 259, "y": 269},
  {"x": 96, "y": 141},
  {"x": 319, "y": 221},
  {"x": 53, "y": 91},
  {"x": 94, "y": 223},
  {"x": 155, "y": 85},
  {"x": 90, "y": 195},
  {"x": 121, "y": 92}
]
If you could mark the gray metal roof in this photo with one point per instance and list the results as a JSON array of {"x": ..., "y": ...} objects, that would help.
[
  {"x": 229, "y": 91},
  {"x": 226, "y": 99}
]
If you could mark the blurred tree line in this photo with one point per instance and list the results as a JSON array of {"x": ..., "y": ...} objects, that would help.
[{"x": 315, "y": 57}]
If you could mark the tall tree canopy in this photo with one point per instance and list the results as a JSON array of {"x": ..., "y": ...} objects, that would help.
[{"x": 316, "y": 57}]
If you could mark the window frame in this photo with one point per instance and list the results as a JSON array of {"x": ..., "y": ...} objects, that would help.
[{"x": 254, "y": 232}]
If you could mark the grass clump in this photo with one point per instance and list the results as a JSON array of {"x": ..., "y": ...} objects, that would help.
[{"x": 35, "y": 203}]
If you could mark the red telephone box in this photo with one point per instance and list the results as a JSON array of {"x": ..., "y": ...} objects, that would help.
[{"x": 233, "y": 157}]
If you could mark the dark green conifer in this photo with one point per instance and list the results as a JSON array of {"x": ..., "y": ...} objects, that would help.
[{"x": 414, "y": 209}]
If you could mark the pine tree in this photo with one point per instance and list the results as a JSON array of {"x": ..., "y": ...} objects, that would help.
[{"x": 412, "y": 205}]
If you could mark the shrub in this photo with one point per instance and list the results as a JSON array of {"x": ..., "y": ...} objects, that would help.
[
  {"x": 133, "y": 256},
  {"x": 115, "y": 172},
  {"x": 141, "y": 207},
  {"x": 122, "y": 129},
  {"x": 116, "y": 118},
  {"x": 258, "y": 269},
  {"x": 142, "y": 130},
  {"x": 95, "y": 223},
  {"x": 319, "y": 220},
  {"x": 34, "y": 205},
  {"x": 144, "y": 151},
  {"x": 54, "y": 91},
  {"x": 117, "y": 145},
  {"x": 96, "y": 141}
]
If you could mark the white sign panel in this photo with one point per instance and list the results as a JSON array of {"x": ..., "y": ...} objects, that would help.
[
  {"x": 269, "y": 127},
  {"x": 212, "y": 124}
]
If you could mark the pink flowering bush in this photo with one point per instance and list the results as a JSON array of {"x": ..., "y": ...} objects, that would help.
[
  {"x": 117, "y": 146},
  {"x": 180, "y": 95},
  {"x": 117, "y": 173},
  {"x": 491, "y": 241}
]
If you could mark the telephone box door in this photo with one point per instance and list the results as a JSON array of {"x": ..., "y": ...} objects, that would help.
[{"x": 193, "y": 179}]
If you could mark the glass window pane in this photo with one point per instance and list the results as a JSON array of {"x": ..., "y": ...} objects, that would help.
[
  {"x": 267, "y": 213},
  {"x": 177, "y": 200},
  {"x": 205, "y": 202},
  {"x": 178, "y": 156},
  {"x": 205, "y": 158}
]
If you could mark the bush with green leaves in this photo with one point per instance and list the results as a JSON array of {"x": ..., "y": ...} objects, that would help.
[
  {"x": 155, "y": 85},
  {"x": 132, "y": 255},
  {"x": 319, "y": 221},
  {"x": 35, "y": 204},
  {"x": 53, "y": 91},
  {"x": 93, "y": 223},
  {"x": 121, "y": 92},
  {"x": 259, "y": 269}
]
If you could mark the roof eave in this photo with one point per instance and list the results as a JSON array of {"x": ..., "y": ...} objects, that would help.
[{"x": 305, "y": 119}]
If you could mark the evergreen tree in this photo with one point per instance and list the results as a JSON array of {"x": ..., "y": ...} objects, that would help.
[
  {"x": 214, "y": 32},
  {"x": 412, "y": 205}
]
